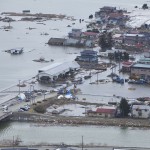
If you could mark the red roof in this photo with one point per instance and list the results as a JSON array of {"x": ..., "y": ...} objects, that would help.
[
  {"x": 90, "y": 33},
  {"x": 106, "y": 111},
  {"x": 127, "y": 63}
]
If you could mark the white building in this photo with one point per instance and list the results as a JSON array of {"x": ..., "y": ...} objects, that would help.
[
  {"x": 140, "y": 111},
  {"x": 52, "y": 72}
]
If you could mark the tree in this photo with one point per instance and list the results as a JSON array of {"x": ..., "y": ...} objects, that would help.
[
  {"x": 144, "y": 6},
  {"x": 124, "y": 107},
  {"x": 105, "y": 40},
  {"x": 110, "y": 41}
]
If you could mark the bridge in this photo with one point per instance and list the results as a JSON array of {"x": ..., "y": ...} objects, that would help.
[{"x": 4, "y": 115}]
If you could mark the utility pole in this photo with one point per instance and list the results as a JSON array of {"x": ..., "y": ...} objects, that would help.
[
  {"x": 19, "y": 86},
  {"x": 13, "y": 142},
  {"x": 97, "y": 77},
  {"x": 82, "y": 142}
]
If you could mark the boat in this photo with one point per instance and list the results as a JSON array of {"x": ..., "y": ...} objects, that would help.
[{"x": 15, "y": 51}]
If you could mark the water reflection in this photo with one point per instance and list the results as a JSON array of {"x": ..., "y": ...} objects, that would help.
[{"x": 31, "y": 133}]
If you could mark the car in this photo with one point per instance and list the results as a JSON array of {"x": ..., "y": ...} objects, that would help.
[
  {"x": 23, "y": 108},
  {"x": 5, "y": 107},
  {"x": 20, "y": 110},
  {"x": 27, "y": 107}
]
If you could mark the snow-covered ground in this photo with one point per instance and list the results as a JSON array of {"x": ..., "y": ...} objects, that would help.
[
  {"x": 70, "y": 109},
  {"x": 75, "y": 109},
  {"x": 138, "y": 17}
]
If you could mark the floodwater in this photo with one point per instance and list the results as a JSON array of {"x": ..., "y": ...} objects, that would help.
[
  {"x": 31, "y": 133},
  {"x": 15, "y": 68}
]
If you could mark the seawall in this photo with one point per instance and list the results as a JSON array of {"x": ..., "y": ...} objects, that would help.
[{"x": 43, "y": 118}]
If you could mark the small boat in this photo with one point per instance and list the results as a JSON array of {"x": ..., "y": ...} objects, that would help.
[{"x": 15, "y": 51}]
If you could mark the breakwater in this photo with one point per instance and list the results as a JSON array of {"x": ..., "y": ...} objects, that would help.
[{"x": 44, "y": 118}]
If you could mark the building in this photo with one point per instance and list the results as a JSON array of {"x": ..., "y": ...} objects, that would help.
[
  {"x": 105, "y": 11},
  {"x": 90, "y": 35},
  {"x": 108, "y": 9},
  {"x": 141, "y": 71},
  {"x": 126, "y": 66},
  {"x": 56, "y": 71},
  {"x": 75, "y": 33},
  {"x": 134, "y": 39},
  {"x": 140, "y": 111},
  {"x": 144, "y": 61},
  {"x": 56, "y": 41},
  {"x": 105, "y": 112},
  {"x": 88, "y": 56},
  {"x": 71, "y": 42},
  {"x": 118, "y": 39},
  {"x": 116, "y": 18}
]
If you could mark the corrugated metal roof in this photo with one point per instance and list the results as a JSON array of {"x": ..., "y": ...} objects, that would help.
[
  {"x": 51, "y": 40},
  {"x": 49, "y": 67},
  {"x": 61, "y": 68},
  {"x": 89, "y": 52},
  {"x": 141, "y": 66},
  {"x": 134, "y": 35},
  {"x": 141, "y": 107}
]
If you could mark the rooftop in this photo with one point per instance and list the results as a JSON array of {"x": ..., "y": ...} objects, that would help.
[
  {"x": 138, "y": 65},
  {"x": 89, "y": 52},
  {"x": 90, "y": 33},
  {"x": 60, "y": 68},
  {"x": 105, "y": 110},
  {"x": 134, "y": 35},
  {"x": 76, "y": 29}
]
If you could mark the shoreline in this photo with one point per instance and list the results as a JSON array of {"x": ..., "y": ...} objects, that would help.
[
  {"x": 78, "y": 146},
  {"x": 75, "y": 121}
]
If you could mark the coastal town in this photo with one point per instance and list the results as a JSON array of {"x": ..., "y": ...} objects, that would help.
[{"x": 112, "y": 52}]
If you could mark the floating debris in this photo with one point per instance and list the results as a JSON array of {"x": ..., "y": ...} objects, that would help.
[
  {"x": 44, "y": 34},
  {"x": 41, "y": 59}
]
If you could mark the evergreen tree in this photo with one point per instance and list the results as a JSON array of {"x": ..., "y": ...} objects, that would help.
[
  {"x": 105, "y": 41},
  {"x": 124, "y": 107},
  {"x": 109, "y": 39},
  {"x": 144, "y": 6}
]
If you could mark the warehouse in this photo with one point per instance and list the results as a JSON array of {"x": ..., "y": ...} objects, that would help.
[{"x": 57, "y": 71}]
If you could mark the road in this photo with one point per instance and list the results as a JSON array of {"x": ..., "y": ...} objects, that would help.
[{"x": 14, "y": 104}]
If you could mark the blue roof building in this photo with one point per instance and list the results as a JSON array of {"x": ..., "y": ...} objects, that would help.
[{"x": 88, "y": 56}]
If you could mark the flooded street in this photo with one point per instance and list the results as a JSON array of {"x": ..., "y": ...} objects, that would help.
[
  {"x": 21, "y": 67},
  {"x": 14, "y": 68}
]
